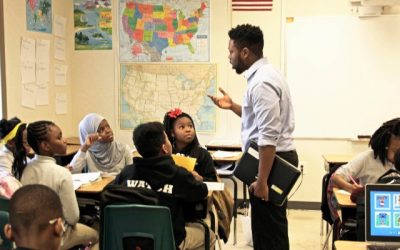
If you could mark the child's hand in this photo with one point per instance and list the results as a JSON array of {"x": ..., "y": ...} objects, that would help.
[
  {"x": 69, "y": 167},
  {"x": 197, "y": 176},
  {"x": 90, "y": 140}
]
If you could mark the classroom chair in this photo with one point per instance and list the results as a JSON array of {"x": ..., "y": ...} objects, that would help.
[
  {"x": 143, "y": 226},
  {"x": 5, "y": 244},
  {"x": 326, "y": 215},
  {"x": 4, "y": 204}
]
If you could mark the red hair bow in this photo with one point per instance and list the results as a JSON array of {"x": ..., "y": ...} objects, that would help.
[{"x": 175, "y": 112}]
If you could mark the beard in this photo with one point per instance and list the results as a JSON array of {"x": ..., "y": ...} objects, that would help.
[{"x": 240, "y": 67}]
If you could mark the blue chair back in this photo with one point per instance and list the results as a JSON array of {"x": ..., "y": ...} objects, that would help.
[{"x": 134, "y": 225}]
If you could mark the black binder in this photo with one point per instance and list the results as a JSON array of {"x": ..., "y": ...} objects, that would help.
[{"x": 281, "y": 179}]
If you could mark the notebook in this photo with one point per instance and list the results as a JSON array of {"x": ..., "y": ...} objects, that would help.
[
  {"x": 281, "y": 179},
  {"x": 382, "y": 216}
]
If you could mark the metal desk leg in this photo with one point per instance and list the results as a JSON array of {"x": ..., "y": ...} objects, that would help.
[{"x": 234, "y": 206}]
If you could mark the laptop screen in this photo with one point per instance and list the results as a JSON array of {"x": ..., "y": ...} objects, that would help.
[{"x": 382, "y": 212}]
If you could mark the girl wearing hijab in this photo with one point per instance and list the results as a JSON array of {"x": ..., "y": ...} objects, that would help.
[{"x": 99, "y": 151}]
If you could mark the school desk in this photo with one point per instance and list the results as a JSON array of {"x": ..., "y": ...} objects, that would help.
[
  {"x": 347, "y": 210},
  {"x": 343, "y": 199},
  {"x": 347, "y": 245},
  {"x": 333, "y": 161},
  {"x": 224, "y": 146},
  {"x": 228, "y": 174},
  {"x": 96, "y": 186}
]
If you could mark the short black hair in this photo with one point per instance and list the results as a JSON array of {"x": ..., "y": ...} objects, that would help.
[
  {"x": 380, "y": 139},
  {"x": 32, "y": 206},
  {"x": 149, "y": 138},
  {"x": 248, "y": 36},
  {"x": 37, "y": 132}
]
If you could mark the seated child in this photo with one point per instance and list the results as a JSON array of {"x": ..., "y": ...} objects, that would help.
[
  {"x": 368, "y": 166},
  {"x": 180, "y": 130},
  {"x": 46, "y": 140},
  {"x": 99, "y": 151},
  {"x": 156, "y": 170},
  {"x": 36, "y": 218},
  {"x": 13, "y": 156}
]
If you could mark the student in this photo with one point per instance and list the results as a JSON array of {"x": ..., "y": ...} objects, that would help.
[
  {"x": 156, "y": 170},
  {"x": 267, "y": 118},
  {"x": 99, "y": 151},
  {"x": 369, "y": 165},
  {"x": 46, "y": 140},
  {"x": 181, "y": 132},
  {"x": 13, "y": 156},
  {"x": 36, "y": 218}
]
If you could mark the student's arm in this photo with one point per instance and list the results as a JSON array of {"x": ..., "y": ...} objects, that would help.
[
  {"x": 187, "y": 188},
  {"x": 353, "y": 168},
  {"x": 341, "y": 183},
  {"x": 226, "y": 102},
  {"x": 206, "y": 166},
  {"x": 266, "y": 159},
  {"x": 78, "y": 162},
  {"x": 68, "y": 199}
]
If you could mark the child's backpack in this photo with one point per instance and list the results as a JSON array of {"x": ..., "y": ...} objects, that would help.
[{"x": 392, "y": 176}]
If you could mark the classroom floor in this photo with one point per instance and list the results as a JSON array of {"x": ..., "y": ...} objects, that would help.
[{"x": 304, "y": 231}]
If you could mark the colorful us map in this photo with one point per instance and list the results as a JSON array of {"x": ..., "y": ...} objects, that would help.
[
  {"x": 168, "y": 30},
  {"x": 147, "y": 91}
]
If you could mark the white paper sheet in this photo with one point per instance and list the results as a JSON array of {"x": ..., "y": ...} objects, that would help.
[
  {"x": 28, "y": 72},
  {"x": 214, "y": 186},
  {"x": 61, "y": 104},
  {"x": 42, "y": 94},
  {"x": 225, "y": 154},
  {"x": 28, "y": 95},
  {"x": 84, "y": 178},
  {"x": 59, "y": 26},
  {"x": 42, "y": 72},
  {"x": 42, "y": 50},
  {"x": 59, "y": 48},
  {"x": 60, "y": 74},
  {"x": 28, "y": 49}
]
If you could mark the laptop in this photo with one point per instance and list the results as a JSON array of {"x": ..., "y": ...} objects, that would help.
[
  {"x": 281, "y": 179},
  {"x": 382, "y": 216}
]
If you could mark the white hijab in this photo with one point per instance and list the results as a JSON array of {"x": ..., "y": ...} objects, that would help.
[{"x": 105, "y": 155}]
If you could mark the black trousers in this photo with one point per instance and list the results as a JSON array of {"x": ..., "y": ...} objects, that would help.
[{"x": 269, "y": 223}]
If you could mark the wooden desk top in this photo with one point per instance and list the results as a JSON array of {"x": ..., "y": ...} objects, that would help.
[
  {"x": 343, "y": 199},
  {"x": 337, "y": 158},
  {"x": 236, "y": 147},
  {"x": 96, "y": 186},
  {"x": 353, "y": 245},
  {"x": 73, "y": 141},
  {"x": 225, "y": 159}
]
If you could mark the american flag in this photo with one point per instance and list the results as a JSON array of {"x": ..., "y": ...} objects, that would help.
[{"x": 251, "y": 5}]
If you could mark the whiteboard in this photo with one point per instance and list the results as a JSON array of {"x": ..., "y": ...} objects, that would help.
[{"x": 343, "y": 74}]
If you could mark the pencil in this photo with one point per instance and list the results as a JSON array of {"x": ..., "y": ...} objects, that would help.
[{"x": 352, "y": 180}]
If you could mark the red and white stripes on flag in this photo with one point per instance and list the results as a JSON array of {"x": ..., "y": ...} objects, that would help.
[{"x": 251, "y": 5}]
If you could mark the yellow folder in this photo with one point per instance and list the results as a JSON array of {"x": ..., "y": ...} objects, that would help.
[{"x": 184, "y": 161}]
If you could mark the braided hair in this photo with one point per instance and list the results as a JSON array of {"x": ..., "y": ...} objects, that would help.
[
  {"x": 381, "y": 138},
  {"x": 18, "y": 150},
  {"x": 38, "y": 132}
]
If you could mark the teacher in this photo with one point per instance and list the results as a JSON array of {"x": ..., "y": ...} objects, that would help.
[{"x": 267, "y": 118}]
